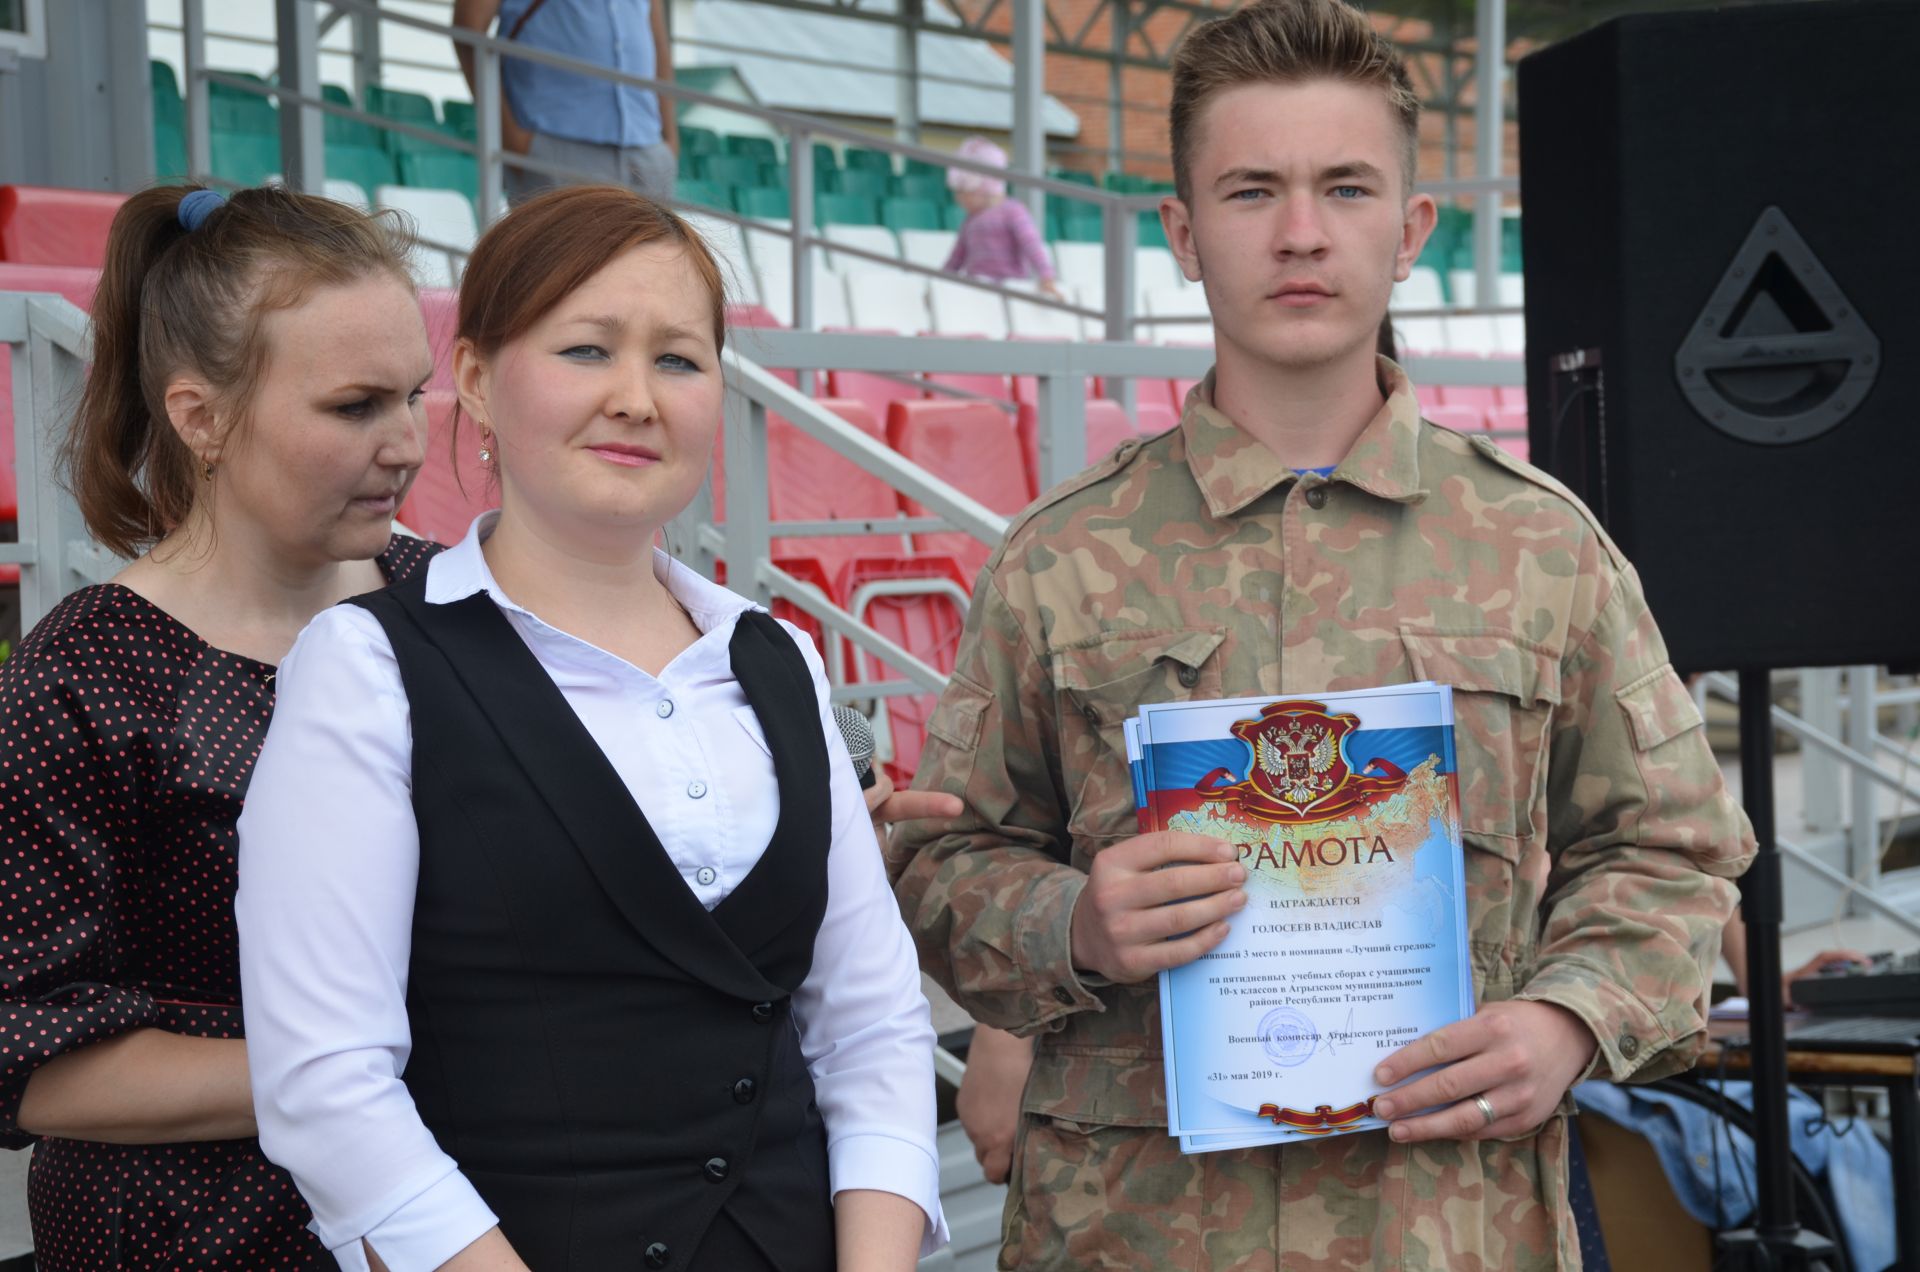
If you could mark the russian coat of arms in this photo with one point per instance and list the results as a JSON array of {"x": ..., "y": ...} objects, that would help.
[{"x": 1299, "y": 772}]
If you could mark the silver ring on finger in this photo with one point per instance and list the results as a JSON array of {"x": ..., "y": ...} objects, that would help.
[{"x": 1486, "y": 1109}]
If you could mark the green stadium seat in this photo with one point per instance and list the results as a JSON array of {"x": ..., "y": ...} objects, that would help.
[
  {"x": 169, "y": 152},
  {"x": 824, "y": 159},
  {"x": 1078, "y": 178},
  {"x": 440, "y": 170},
  {"x": 731, "y": 170},
  {"x": 953, "y": 215},
  {"x": 348, "y": 132},
  {"x": 846, "y": 209},
  {"x": 399, "y": 143},
  {"x": 773, "y": 176},
  {"x": 167, "y": 106},
  {"x": 871, "y": 160},
  {"x": 924, "y": 168},
  {"x": 1510, "y": 245},
  {"x": 246, "y": 159},
  {"x": 864, "y": 182},
  {"x": 1152, "y": 233},
  {"x": 760, "y": 149},
  {"x": 458, "y": 117},
  {"x": 394, "y": 103},
  {"x": 160, "y": 75},
  {"x": 1082, "y": 225},
  {"x": 921, "y": 185},
  {"x": 758, "y": 201},
  {"x": 365, "y": 166},
  {"x": 699, "y": 141},
  {"x": 708, "y": 194},
  {"x": 910, "y": 214},
  {"x": 242, "y": 114}
]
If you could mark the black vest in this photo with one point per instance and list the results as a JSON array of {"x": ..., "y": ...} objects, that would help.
[{"x": 611, "y": 1065}]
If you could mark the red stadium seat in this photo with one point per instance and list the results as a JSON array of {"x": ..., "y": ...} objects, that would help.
[
  {"x": 926, "y": 623},
  {"x": 975, "y": 447},
  {"x": 1478, "y": 397},
  {"x": 1157, "y": 393},
  {"x": 44, "y": 225},
  {"x": 741, "y": 320},
  {"x": 809, "y": 571},
  {"x": 453, "y": 487},
  {"x": 1151, "y": 418},
  {"x": 877, "y": 392},
  {"x": 1107, "y": 427},
  {"x": 440, "y": 306},
  {"x": 980, "y": 384},
  {"x": 1508, "y": 424},
  {"x": 1462, "y": 419},
  {"x": 76, "y": 283}
]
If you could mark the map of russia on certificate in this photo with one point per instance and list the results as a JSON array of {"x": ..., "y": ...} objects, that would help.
[{"x": 1345, "y": 810}]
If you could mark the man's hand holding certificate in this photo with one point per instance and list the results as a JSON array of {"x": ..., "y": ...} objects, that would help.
[{"x": 1343, "y": 940}]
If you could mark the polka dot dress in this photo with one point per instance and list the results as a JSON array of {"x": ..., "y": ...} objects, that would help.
[{"x": 126, "y": 743}]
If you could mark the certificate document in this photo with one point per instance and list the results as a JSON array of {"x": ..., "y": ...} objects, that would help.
[{"x": 1345, "y": 808}]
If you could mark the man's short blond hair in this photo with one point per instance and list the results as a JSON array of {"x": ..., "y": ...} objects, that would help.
[{"x": 1285, "y": 42}]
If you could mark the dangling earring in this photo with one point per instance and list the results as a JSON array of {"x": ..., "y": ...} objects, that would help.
[
  {"x": 486, "y": 445},
  {"x": 206, "y": 470}
]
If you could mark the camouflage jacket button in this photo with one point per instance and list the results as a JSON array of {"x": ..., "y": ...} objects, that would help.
[
  {"x": 1629, "y": 1046},
  {"x": 1189, "y": 677},
  {"x": 1063, "y": 995},
  {"x": 1317, "y": 497}
]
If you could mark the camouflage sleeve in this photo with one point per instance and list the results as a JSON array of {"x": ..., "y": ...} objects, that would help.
[
  {"x": 1645, "y": 842},
  {"x": 990, "y": 899}
]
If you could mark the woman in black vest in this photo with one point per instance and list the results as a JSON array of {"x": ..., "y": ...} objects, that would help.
[{"x": 565, "y": 938}]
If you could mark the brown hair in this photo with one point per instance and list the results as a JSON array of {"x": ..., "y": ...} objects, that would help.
[
  {"x": 1285, "y": 41},
  {"x": 536, "y": 255},
  {"x": 173, "y": 300}
]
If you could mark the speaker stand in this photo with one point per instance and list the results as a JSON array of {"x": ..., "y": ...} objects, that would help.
[{"x": 1775, "y": 1241}]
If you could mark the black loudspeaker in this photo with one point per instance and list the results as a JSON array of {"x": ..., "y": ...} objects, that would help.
[{"x": 1723, "y": 318}]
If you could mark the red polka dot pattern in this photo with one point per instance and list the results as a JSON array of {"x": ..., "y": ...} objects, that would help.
[{"x": 126, "y": 744}]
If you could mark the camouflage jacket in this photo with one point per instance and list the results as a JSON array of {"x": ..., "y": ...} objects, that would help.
[{"x": 1600, "y": 839}]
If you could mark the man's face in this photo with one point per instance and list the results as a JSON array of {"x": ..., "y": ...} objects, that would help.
[{"x": 1299, "y": 225}]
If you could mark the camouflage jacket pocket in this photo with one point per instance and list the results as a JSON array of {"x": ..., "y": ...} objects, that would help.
[
  {"x": 1104, "y": 680},
  {"x": 1505, "y": 689}
]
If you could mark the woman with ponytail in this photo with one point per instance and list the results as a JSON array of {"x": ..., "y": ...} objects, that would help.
[{"x": 249, "y": 425}]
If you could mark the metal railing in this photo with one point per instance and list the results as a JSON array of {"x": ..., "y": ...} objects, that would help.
[
  {"x": 302, "y": 157},
  {"x": 50, "y": 339}
]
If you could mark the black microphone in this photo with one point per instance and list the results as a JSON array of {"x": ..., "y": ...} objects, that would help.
[{"x": 857, "y": 732}]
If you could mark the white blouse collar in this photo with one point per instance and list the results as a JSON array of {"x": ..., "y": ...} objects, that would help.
[{"x": 462, "y": 570}]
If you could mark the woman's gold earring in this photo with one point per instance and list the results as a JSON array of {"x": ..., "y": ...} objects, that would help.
[
  {"x": 206, "y": 470},
  {"x": 486, "y": 445}
]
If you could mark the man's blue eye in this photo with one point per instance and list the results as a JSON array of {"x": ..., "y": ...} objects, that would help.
[{"x": 1350, "y": 192}]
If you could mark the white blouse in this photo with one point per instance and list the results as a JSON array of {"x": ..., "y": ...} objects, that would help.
[{"x": 329, "y": 859}]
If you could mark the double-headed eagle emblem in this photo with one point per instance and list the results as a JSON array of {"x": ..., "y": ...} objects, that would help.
[{"x": 1299, "y": 772}]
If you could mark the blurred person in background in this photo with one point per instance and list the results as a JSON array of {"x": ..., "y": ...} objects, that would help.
[{"x": 999, "y": 240}]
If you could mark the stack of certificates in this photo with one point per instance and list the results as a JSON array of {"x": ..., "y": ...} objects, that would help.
[{"x": 1346, "y": 811}]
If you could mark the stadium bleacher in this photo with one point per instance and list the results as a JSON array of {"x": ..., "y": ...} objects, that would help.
[{"x": 862, "y": 201}]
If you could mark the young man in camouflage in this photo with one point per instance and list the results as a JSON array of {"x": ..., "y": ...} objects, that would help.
[{"x": 1215, "y": 561}]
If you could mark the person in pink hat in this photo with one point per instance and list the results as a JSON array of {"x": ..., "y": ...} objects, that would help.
[{"x": 998, "y": 241}]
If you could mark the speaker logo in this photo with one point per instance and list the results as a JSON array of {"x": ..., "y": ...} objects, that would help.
[{"x": 1779, "y": 355}]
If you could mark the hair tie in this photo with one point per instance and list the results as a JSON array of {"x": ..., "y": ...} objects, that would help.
[{"x": 197, "y": 206}]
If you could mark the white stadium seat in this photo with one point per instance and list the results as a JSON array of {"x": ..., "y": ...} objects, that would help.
[
  {"x": 882, "y": 299},
  {"x": 1154, "y": 270},
  {"x": 442, "y": 216},
  {"x": 928, "y": 247},
  {"x": 1472, "y": 333},
  {"x": 1039, "y": 322},
  {"x": 1512, "y": 288},
  {"x": 723, "y": 240},
  {"x": 772, "y": 258},
  {"x": 960, "y": 310},
  {"x": 1084, "y": 267},
  {"x": 1420, "y": 335},
  {"x": 1173, "y": 302},
  {"x": 349, "y": 192},
  {"x": 868, "y": 238},
  {"x": 1421, "y": 290}
]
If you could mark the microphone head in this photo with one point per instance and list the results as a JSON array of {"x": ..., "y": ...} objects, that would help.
[{"x": 858, "y": 735}]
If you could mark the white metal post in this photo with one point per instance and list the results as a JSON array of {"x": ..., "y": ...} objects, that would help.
[
  {"x": 747, "y": 539},
  {"x": 303, "y": 157},
  {"x": 1029, "y": 87},
  {"x": 1863, "y": 826},
  {"x": 199, "y": 116},
  {"x": 800, "y": 187},
  {"x": 1062, "y": 436},
  {"x": 486, "y": 124},
  {"x": 906, "y": 101},
  {"x": 366, "y": 57},
  {"x": 1819, "y": 770},
  {"x": 1490, "y": 133}
]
